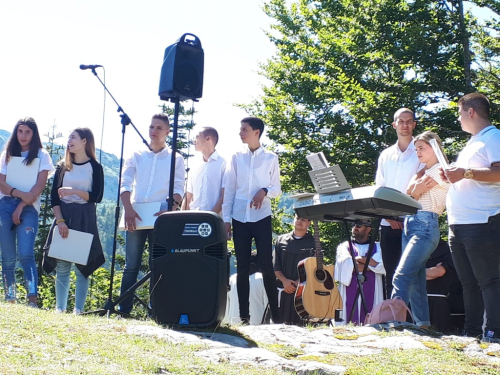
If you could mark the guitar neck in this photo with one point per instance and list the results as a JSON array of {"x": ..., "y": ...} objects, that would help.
[{"x": 318, "y": 251}]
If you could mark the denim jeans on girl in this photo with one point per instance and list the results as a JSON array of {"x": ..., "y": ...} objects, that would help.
[
  {"x": 420, "y": 239},
  {"x": 24, "y": 234},
  {"x": 63, "y": 270}
]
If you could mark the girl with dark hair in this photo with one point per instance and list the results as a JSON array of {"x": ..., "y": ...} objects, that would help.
[
  {"x": 19, "y": 209},
  {"x": 78, "y": 186}
]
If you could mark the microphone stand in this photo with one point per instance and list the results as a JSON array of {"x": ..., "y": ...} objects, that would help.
[{"x": 109, "y": 306}]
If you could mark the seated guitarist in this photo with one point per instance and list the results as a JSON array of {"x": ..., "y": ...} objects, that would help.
[
  {"x": 289, "y": 250},
  {"x": 346, "y": 275}
]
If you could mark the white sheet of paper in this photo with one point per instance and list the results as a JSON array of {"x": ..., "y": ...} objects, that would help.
[
  {"x": 317, "y": 161},
  {"x": 438, "y": 153},
  {"x": 20, "y": 176},
  {"x": 146, "y": 211},
  {"x": 75, "y": 248},
  {"x": 440, "y": 157}
]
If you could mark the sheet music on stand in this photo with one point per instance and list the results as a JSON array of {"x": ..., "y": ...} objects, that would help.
[{"x": 317, "y": 161}]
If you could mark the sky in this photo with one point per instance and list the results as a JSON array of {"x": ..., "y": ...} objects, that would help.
[{"x": 43, "y": 43}]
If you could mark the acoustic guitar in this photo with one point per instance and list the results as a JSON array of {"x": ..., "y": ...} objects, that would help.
[{"x": 317, "y": 297}]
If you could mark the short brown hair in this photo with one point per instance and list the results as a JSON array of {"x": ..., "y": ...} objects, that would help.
[
  {"x": 478, "y": 102},
  {"x": 400, "y": 111},
  {"x": 212, "y": 133},
  {"x": 163, "y": 117}
]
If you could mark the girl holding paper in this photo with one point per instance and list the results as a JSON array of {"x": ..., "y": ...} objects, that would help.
[
  {"x": 24, "y": 169},
  {"x": 78, "y": 185},
  {"x": 421, "y": 230}
]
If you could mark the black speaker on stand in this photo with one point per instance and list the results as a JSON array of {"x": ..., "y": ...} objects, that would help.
[
  {"x": 182, "y": 70},
  {"x": 189, "y": 269}
]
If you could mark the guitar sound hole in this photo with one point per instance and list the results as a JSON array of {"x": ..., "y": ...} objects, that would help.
[{"x": 320, "y": 275}]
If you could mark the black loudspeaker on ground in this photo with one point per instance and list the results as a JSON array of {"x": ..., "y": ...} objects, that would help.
[
  {"x": 189, "y": 269},
  {"x": 182, "y": 70}
]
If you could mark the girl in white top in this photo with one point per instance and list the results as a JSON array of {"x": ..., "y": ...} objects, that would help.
[
  {"x": 19, "y": 209},
  {"x": 421, "y": 230},
  {"x": 78, "y": 185}
]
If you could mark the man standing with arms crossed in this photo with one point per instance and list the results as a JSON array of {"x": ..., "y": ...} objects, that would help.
[
  {"x": 252, "y": 179},
  {"x": 145, "y": 178},
  {"x": 396, "y": 166},
  {"x": 204, "y": 187},
  {"x": 473, "y": 205}
]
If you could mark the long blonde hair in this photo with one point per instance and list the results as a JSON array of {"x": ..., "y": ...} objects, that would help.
[
  {"x": 426, "y": 137},
  {"x": 84, "y": 133}
]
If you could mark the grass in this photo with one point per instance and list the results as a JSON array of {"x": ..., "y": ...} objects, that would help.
[{"x": 42, "y": 342}]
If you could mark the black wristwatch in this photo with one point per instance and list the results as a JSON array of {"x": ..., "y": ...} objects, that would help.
[{"x": 265, "y": 190}]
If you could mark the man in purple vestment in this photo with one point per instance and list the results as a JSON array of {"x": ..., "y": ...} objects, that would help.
[{"x": 346, "y": 273}]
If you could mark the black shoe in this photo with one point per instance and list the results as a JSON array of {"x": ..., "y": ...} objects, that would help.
[
  {"x": 491, "y": 337},
  {"x": 245, "y": 321}
]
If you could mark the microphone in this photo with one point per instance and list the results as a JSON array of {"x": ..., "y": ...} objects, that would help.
[{"x": 85, "y": 67}]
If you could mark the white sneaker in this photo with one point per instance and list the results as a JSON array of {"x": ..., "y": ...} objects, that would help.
[
  {"x": 77, "y": 311},
  {"x": 59, "y": 311}
]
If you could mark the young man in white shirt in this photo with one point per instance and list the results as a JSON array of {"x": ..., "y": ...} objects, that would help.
[
  {"x": 204, "y": 187},
  {"x": 252, "y": 179},
  {"x": 396, "y": 166},
  {"x": 145, "y": 178},
  {"x": 473, "y": 206}
]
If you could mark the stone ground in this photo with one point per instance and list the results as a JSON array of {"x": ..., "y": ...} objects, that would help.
[{"x": 310, "y": 342}]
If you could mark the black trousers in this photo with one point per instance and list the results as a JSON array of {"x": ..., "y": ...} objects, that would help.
[
  {"x": 391, "y": 245},
  {"x": 243, "y": 234}
]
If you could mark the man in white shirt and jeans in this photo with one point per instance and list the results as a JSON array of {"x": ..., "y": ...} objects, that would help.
[
  {"x": 473, "y": 205},
  {"x": 204, "y": 188},
  {"x": 145, "y": 178},
  {"x": 396, "y": 166},
  {"x": 252, "y": 179}
]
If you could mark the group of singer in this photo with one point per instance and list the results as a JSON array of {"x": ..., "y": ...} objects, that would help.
[{"x": 241, "y": 189}]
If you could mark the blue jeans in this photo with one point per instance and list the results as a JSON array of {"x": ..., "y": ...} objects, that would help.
[
  {"x": 134, "y": 248},
  {"x": 63, "y": 270},
  {"x": 420, "y": 239},
  {"x": 24, "y": 234},
  {"x": 476, "y": 255}
]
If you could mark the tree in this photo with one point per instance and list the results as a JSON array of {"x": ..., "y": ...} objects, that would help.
[
  {"x": 342, "y": 68},
  {"x": 46, "y": 282}
]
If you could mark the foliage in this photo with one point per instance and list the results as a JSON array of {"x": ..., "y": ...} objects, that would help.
[
  {"x": 184, "y": 126},
  {"x": 46, "y": 216},
  {"x": 342, "y": 68}
]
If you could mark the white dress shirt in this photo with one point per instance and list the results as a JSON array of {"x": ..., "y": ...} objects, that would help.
[
  {"x": 395, "y": 168},
  {"x": 206, "y": 183},
  {"x": 246, "y": 174},
  {"x": 147, "y": 174}
]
